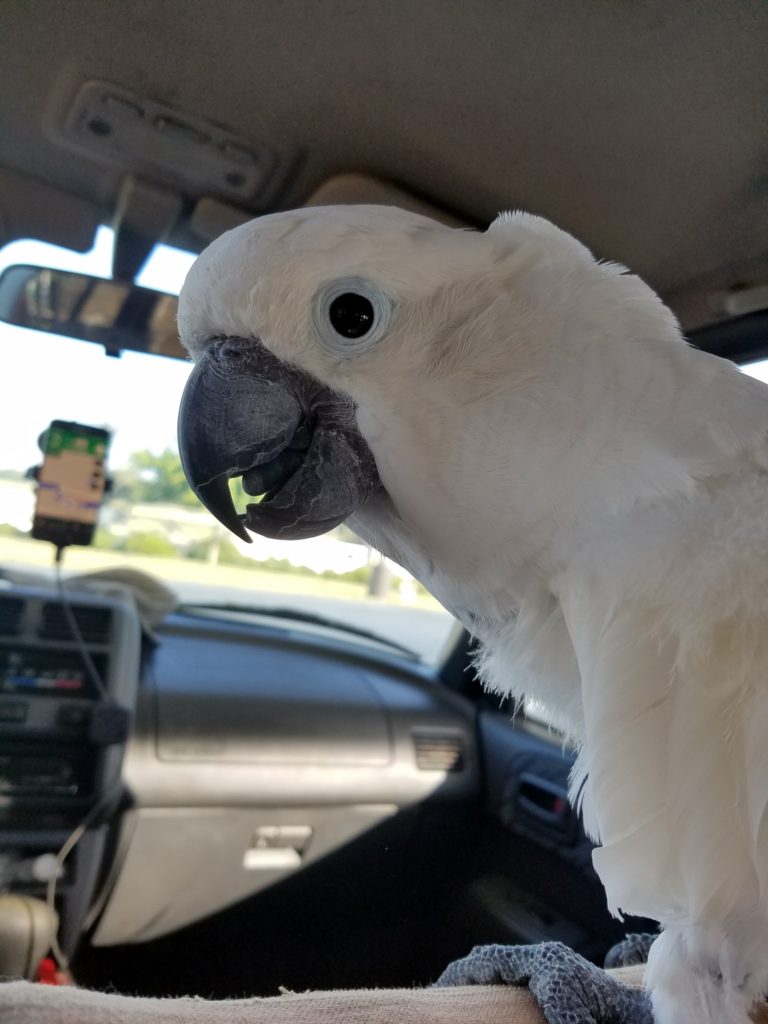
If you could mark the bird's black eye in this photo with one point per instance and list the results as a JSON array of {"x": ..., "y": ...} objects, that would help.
[{"x": 351, "y": 315}]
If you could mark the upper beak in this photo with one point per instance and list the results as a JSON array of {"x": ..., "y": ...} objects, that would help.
[
  {"x": 239, "y": 411},
  {"x": 245, "y": 413}
]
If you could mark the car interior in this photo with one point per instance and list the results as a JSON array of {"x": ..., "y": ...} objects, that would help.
[{"x": 223, "y": 803}]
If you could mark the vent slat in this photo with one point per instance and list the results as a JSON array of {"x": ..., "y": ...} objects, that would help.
[
  {"x": 95, "y": 624},
  {"x": 11, "y": 613},
  {"x": 439, "y": 752}
]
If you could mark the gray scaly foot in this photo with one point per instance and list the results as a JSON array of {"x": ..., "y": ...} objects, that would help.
[
  {"x": 632, "y": 950},
  {"x": 568, "y": 988}
]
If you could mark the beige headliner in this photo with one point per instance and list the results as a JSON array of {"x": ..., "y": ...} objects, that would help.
[{"x": 638, "y": 126}]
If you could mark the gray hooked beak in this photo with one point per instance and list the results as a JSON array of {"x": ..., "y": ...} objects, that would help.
[{"x": 293, "y": 440}]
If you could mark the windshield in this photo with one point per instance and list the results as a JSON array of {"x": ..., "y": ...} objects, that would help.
[{"x": 151, "y": 520}]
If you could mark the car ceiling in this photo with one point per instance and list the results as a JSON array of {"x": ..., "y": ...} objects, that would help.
[{"x": 639, "y": 127}]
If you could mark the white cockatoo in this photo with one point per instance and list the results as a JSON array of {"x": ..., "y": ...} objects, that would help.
[{"x": 525, "y": 430}]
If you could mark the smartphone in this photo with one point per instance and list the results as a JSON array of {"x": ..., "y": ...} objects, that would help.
[{"x": 70, "y": 483}]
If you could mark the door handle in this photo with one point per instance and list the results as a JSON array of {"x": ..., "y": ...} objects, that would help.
[{"x": 546, "y": 803}]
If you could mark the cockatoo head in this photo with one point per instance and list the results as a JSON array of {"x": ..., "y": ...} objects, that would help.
[{"x": 344, "y": 353}]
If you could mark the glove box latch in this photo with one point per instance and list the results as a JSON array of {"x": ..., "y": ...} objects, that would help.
[{"x": 276, "y": 846}]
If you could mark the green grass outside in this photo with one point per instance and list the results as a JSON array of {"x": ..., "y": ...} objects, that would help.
[{"x": 30, "y": 555}]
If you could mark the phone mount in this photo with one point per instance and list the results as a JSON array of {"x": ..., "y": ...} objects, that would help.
[{"x": 69, "y": 491}]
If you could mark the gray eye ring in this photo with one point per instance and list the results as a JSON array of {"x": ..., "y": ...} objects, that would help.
[{"x": 336, "y": 344}]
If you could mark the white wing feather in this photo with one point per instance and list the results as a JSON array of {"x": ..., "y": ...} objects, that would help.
[{"x": 669, "y": 621}]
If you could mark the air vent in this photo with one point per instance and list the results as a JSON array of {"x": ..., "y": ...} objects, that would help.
[
  {"x": 11, "y": 611},
  {"x": 439, "y": 752},
  {"x": 94, "y": 623}
]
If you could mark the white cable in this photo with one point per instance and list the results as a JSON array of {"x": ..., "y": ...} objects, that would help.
[
  {"x": 67, "y": 847},
  {"x": 75, "y": 628},
  {"x": 76, "y": 835}
]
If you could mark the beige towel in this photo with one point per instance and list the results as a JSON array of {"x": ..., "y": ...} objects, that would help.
[{"x": 23, "y": 1003}]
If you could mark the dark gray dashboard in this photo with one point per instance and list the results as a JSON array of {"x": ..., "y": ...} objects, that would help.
[{"x": 258, "y": 750}]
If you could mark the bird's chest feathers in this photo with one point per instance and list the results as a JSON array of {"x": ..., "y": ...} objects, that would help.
[
  {"x": 473, "y": 493},
  {"x": 454, "y": 528}
]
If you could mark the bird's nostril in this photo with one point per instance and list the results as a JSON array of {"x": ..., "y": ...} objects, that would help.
[{"x": 234, "y": 348}]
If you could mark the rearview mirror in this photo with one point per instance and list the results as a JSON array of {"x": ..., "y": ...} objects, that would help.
[{"x": 116, "y": 314}]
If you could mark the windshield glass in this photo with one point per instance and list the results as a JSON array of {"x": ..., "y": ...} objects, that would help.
[{"x": 151, "y": 520}]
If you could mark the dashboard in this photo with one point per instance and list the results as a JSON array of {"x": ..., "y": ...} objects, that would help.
[
  {"x": 256, "y": 749},
  {"x": 325, "y": 798}
]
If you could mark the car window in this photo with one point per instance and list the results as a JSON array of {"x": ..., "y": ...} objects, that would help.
[
  {"x": 759, "y": 370},
  {"x": 152, "y": 520}
]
